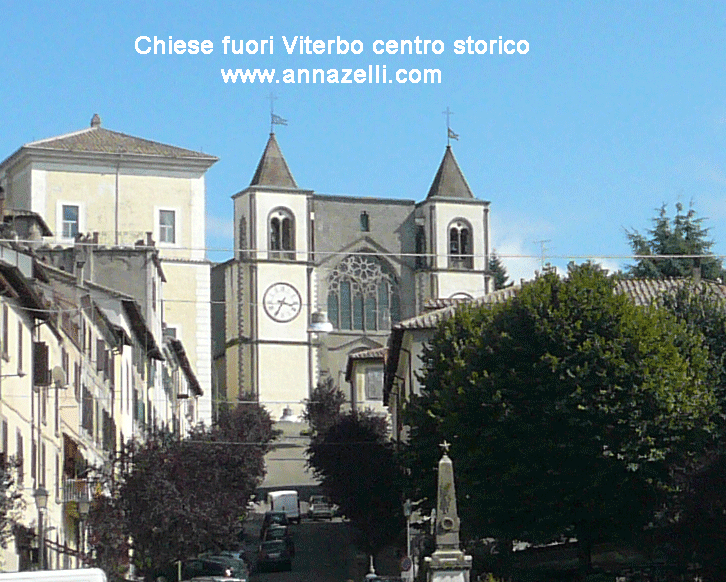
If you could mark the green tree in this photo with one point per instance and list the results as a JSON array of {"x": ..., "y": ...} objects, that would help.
[
  {"x": 566, "y": 407},
  {"x": 694, "y": 525},
  {"x": 11, "y": 499},
  {"x": 684, "y": 234},
  {"x": 323, "y": 408},
  {"x": 175, "y": 498},
  {"x": 357, "y": 465},
  {"x": 498, "y": 272}
]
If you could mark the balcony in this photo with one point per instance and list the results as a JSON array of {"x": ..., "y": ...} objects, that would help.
[{"x": 75, "y": 490}]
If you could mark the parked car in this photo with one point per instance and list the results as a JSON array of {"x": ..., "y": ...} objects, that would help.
[
  {"x": 280, "y": 532},
  {"x": 320, "y": 508},
  {"x": 273, "y": 518},
  {"x": 208, "y": 566},
  {"x": 274, "y": 555},
  {"x": 236, "y": 564},
  {"x": 287, "y": 502}
]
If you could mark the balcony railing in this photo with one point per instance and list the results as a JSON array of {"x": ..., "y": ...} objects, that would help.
[{"x": 76, "y": 490}]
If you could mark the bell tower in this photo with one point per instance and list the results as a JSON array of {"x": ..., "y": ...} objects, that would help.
[
  {"x": 272, "y": 288},
  {"x": 452, "y": 237}
]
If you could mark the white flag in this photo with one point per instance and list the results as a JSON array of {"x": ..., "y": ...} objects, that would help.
[
  {"x": 277, "y": 120},
  {"x": 453, "y": 135}
]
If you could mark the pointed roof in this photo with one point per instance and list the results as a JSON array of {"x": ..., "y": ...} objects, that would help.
[
  {"x": 272, "y": 169},
  {"x": 97, "y": 139},
  {"x": 449, "y": 181}
]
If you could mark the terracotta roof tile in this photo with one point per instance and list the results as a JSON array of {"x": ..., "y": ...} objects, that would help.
[{"x": 97, "y": 139}]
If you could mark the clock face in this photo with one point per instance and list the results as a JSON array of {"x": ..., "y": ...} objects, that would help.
[{"x": 282, "y": 302}]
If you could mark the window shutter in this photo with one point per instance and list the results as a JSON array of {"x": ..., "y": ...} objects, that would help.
[{"x": 41, "y": 375}]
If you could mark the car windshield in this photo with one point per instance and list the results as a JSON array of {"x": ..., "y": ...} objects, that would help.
[
  {"x": 318, "y": 499},
  {"x": 276, "y": 533},
  {"x": 273, "y": 546}
]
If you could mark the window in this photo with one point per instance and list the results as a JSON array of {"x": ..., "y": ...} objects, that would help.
[
  {"x": 365, "y": 225},
  {"x": 70, "y": 221},
  {"x": 19, "y": 458},
  {"x": 167, "y": 226},
  {"x": 460, "y": 246},
  {"x": 4, "y": 437},
  {"x": 20, "y": 348},
  {"x": 421, "y": 258},
  {"x": 363, "y": 294},
  {"x": 282, "y": 235},
  {"x": 374, "y": 383},
  {"x": 6, "y": 334}
]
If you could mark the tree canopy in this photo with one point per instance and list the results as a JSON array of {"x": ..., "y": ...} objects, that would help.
[
  {"x": 323, "y": 408},
  {"x": 565, "y": 406},
  {"x": 175, "y": 498},
  {"x": 683, "y": 234},
  {"x": 357, "y": 465},
  {"x": 694, "y": 527}
]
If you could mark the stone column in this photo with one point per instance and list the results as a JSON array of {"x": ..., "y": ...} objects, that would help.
[{"x": 448, "y": 563}]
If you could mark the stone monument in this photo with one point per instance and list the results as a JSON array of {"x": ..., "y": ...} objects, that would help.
[{"x": 448, "y": 563}]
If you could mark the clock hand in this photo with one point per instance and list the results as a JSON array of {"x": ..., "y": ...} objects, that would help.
[{"x": 280, "y": 305}]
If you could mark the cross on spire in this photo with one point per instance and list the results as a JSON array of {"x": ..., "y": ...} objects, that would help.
[
  {"x": 445, "y": 447},
  {"x": 449, "y": 132},
  {"x": 274, "y": 119}
]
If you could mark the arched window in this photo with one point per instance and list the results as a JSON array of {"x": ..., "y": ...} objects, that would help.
[
  {"x": 282, "y": 234},
  {"x": 363, "y": 294},
  {"x": 461, "y": 252}
]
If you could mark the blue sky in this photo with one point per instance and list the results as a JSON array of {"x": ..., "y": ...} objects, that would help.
[{"x": 617, "y": 108}]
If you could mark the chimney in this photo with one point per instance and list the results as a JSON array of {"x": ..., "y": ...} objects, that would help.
[{"x": 149, "y": 239}]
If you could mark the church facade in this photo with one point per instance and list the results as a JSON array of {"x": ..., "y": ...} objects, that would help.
[{"x": 361, "y": 263}]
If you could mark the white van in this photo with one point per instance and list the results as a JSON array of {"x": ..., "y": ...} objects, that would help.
[
  {"x": 80, "y": 575},
  {"x": 287, "y": 502}
]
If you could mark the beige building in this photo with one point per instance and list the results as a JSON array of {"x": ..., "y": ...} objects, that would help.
[
  {"x": 82, "y": 369},
  {"x": 128, "y": 189}
]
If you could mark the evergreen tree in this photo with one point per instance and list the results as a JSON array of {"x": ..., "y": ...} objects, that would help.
[
  {"x": 682, "y": 235},
  {"x": 498, "y": 272},
  {"x": 565, "y": 407}
]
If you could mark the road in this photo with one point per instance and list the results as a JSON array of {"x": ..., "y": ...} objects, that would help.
[{"x": 323, "y": 552}]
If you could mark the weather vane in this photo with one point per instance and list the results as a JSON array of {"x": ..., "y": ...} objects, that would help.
[
  {"x": 449, "y": 132},
  {"x": 275, "y": 119}
]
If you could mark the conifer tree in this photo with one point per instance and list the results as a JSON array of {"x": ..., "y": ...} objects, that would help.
[
  {"x": 498, "y": 272},
  {"x": 685, "y": 235}
]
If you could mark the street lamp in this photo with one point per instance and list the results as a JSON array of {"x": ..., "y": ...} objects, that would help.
[
  {"x": 84, "y": 507},
  {"x": 41, "y": 502},
  {"x": 407, "y": 510}
]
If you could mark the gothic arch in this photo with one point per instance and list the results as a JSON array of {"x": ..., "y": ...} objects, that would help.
[
  {"x": 461, "y": 244},
  {"x": 363, "y": 294},
  {"x": 281, "y": 234}
]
